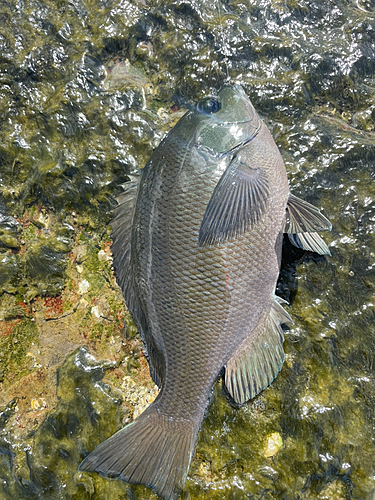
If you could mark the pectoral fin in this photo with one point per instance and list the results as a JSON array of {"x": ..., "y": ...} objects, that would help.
[
  {"x": 237, "y": 203},
  {"x": 302, "y": 220},
  {"x": 260, "y": 357}
]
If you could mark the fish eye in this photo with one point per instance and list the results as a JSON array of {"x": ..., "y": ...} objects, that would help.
[{"x": 208, "y": 105}]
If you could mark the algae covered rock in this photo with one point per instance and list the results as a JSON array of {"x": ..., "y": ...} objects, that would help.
[{"x": 87, "y": 91}]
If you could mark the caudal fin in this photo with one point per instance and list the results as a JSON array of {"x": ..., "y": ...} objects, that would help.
[{"x": 151, "y": 451}]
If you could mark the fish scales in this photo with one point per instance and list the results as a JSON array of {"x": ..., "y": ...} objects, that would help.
[
  {"x": 203, "y": 259},
  {"x": 210, "y": 326}
]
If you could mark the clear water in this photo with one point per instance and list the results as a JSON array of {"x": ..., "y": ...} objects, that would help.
[{"x": 88, "y": 89}]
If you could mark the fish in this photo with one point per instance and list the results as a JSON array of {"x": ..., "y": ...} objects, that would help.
[{"x": 197, "y": 240}]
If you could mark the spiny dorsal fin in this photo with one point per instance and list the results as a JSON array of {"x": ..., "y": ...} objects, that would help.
[
  {"x": 237, "y": 203},
  {"x": 302, "y": 220},
  {"x": 260, "y": 357}
]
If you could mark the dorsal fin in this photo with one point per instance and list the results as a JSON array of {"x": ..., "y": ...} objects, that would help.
[
  {"x": 260, "y": 357},
  {"x": 121, "y": 235},
  {"x": 121, "y": 250},
  {"x": 237, "y": 203}
]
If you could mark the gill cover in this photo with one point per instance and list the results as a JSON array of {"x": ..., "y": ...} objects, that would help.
[{"x": 226, "y": 121}]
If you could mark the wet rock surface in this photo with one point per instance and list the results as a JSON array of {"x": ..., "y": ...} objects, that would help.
[{"x": 87, "y": 91}]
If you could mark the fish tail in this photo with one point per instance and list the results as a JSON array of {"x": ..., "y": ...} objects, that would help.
[{"x": 152, "y": 450}]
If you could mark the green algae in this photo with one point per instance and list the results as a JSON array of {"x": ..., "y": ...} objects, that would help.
[
  {"x": 87, "y": 91},
  {"x": 10, "y": 273},
  {"x": 47, "y": 462},
  {"x": 15, "y": 342},
  {"x": 54, "y": 444}
]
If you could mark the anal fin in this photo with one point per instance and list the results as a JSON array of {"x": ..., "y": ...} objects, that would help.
[
  {"x": 302, "y": 220},
  {"x": 259, "y": 358}
]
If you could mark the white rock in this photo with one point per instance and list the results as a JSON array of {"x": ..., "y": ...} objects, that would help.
[{"x": 84, "y": 286}]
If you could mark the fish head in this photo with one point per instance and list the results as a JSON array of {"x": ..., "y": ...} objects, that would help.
[{"x": 225, "y": 121}]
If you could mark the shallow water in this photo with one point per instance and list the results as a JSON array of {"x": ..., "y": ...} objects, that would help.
[{"x": 88, "y": 89}]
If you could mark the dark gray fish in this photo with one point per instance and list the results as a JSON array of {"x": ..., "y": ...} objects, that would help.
[{"x": 196, "y": 245}]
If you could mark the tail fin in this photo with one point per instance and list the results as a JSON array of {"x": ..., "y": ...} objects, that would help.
[{"x": 151, "y": 451}]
